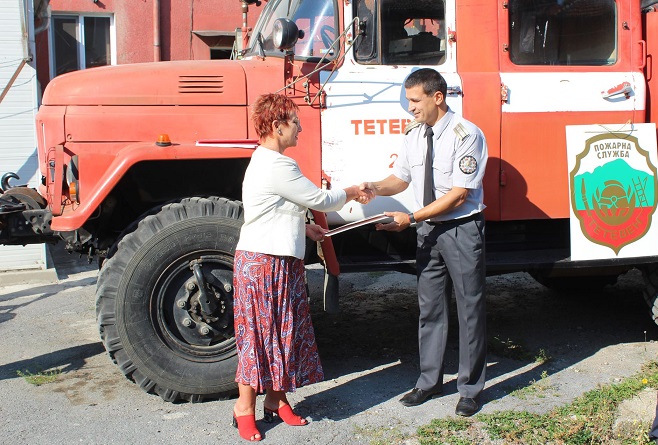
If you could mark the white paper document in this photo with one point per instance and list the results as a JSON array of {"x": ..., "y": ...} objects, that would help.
[{"x": 355, "y": 224}]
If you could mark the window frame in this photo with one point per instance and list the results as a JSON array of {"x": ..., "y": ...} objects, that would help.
[
  {"x": 516, "y": 52},
  {"x": 380, "y": 56},
  {"x": 623, "y": 43},
  {"x": 80, "y": 32}
]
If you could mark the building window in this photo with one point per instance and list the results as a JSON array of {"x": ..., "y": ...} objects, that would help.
[{"x": 80, "y": 42}]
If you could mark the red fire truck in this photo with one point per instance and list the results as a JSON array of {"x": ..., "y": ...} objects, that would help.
[{"x": 142, "y": 164}]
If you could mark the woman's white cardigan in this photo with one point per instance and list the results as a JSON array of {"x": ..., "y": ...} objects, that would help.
[{"x": 276, "y": 197}]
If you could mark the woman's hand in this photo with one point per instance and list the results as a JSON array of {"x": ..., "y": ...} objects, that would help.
[
  {"x": 366, "y": 192},
  {"x": 315, "y": 232},
  {"x": 359, "y": 194}
]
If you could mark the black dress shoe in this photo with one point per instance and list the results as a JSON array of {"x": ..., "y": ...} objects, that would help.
[
  {"x": 466, "y": 407},
  {"x": 418, "y": 396}
]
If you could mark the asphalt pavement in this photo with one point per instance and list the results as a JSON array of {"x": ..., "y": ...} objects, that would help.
[{"x": 52, "y": 326}]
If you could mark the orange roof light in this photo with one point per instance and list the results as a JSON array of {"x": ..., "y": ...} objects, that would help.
[{"x": 163, "y": 140}]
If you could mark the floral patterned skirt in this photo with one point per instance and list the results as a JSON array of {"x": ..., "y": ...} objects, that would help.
[{"x": 273, "y": 330}]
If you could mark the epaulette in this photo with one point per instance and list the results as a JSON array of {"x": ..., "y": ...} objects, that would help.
[
  {"x": 411, "y": 125},
  {"x": 460, "y": 131}
]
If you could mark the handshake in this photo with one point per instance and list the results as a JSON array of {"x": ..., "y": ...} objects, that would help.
[
  {"x": 362, "y": 193},
  {"x": 366, "y": 192}
]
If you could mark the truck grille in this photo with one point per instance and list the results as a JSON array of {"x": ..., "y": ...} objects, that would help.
[{"x": 200, "y": 84}]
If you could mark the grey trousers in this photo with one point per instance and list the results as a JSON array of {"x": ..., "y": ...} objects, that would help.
[{"x": 452, "y": 255}]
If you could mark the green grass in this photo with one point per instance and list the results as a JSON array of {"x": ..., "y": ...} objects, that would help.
[
  {"x": 379, "y": 436},
  {"x": 588, "y": 420},
  {"x": 542, "y": 357},
  {"x": 535, "y": 388},
  {"x": 509, "y": 349},
  {"x": 445, "y": 431},
  {"x": 376, "y": 274},
  {"x": 40, "y": 377}
]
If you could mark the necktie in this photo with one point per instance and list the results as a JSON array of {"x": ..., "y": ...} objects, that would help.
[{"x": 428, "y": 190}]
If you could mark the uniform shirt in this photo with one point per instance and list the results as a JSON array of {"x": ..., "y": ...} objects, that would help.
[
  {"x": 275, "y": 196},
  {"x": 460, "y": 158}
]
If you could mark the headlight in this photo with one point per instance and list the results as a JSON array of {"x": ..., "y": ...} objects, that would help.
[{"x": 285, "y": 34}]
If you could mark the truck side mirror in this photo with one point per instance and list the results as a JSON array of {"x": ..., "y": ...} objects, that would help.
[{"x": 285, "y": 34}]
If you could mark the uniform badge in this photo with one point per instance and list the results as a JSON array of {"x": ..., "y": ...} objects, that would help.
[
  {"x": 468, "y": 165},
  {"x": 411, "y": 125},
  {"x": 460, "y": 131}
]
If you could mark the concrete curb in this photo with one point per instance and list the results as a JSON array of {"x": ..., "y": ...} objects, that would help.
[{"x": 36, "y": 276}]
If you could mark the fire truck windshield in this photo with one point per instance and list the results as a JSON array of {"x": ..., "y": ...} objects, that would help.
[{"x": 316, "y": 18}]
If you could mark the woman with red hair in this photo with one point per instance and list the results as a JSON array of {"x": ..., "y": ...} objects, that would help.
[{"x": 273, "y": 330}]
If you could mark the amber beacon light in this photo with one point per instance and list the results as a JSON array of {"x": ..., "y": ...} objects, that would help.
[{"x": 163, "y": 141}]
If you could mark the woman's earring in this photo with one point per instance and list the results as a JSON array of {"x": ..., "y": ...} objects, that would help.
[{"x": 279, "y": 132}]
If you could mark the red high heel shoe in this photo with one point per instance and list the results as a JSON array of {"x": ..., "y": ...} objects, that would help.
[
  {"x": 286, "y": 414},
  {"x": 246, "y": 426}
]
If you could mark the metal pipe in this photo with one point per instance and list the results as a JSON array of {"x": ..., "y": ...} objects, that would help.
[
  {"x": 156, "y": 31},
  {"x": 245, "y": 29}
]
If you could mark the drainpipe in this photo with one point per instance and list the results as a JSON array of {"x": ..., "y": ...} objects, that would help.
[{"x": 156, "y": 30}]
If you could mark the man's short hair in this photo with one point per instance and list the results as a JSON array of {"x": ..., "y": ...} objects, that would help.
[{"x": 429, "y": 79}]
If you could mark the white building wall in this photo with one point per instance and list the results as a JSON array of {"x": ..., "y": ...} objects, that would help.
[{"x": 17, "y": 118}]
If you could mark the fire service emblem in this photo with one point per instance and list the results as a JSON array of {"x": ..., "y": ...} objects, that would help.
[{"x": 613, "y": 190}]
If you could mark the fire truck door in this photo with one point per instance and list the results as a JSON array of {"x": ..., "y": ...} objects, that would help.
[
  {"x": 366, "y": 109},
  {"x": 565, "y": 62}
]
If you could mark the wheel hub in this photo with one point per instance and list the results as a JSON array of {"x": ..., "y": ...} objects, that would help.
[{"x": 196, "y": 304}]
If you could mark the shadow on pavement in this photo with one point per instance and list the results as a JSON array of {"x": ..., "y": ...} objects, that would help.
[
  {"x": 372, "y": 345},
  {"x": 66, "y": 360}
]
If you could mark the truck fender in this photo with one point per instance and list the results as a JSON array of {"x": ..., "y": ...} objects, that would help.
[{"x": 139, "y": 152}]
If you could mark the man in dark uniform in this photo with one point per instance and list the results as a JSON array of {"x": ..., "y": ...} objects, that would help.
[{"x": 450, "y": 241}]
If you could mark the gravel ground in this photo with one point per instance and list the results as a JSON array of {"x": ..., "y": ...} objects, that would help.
[{"x": 369, "y": 353}]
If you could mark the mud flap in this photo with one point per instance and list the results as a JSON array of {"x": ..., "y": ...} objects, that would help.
[
  {"x": 331, "y": 305},
  {"x": 327, "y": 255}
]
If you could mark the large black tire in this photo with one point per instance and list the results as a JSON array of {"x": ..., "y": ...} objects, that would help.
[
  {"x": 650, "y": 291},
  {"x": 148, "y": 300}
]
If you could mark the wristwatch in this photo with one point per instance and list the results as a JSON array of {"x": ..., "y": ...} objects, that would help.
[{"x": 412, "y": 220}]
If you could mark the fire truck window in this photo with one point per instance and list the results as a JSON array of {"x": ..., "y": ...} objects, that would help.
[
  {"x": 410, "y": 32},
  {"x": 316, "y": 18},
  {"x": 563, "y": 32}
]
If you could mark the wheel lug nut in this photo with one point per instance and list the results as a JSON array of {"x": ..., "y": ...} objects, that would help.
[
  {"x": 181, "y": 304},
  {"x": 191, "y": 286},
  {"x": 228, "y": 287},
  {"x": 187, "y": 322},
  {"x": 205, "y": 330}
]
